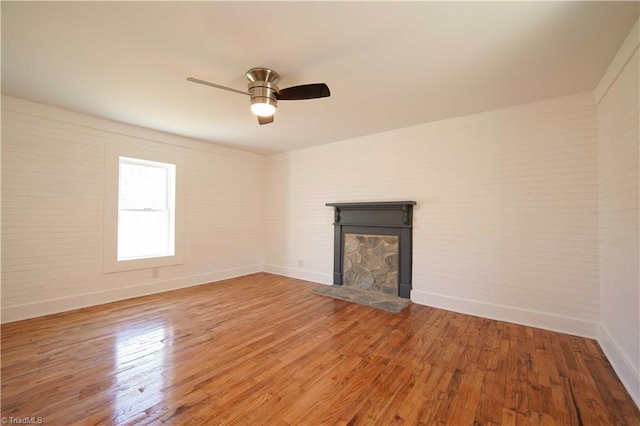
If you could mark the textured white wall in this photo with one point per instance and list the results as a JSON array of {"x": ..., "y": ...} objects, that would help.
[
  {"x": 506, "y": 221},
  {"x": 619, "y": 213},
  {"x": 52, "y": 211}
]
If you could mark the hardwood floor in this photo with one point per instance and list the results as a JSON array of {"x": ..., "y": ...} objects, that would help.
[{"x": 263, "y": 349}]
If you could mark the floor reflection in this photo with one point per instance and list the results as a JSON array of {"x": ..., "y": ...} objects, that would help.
[{"x": 141, "y": 370}]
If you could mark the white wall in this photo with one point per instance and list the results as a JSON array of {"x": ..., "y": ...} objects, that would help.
[
  {"x": 52, "y": 211},
  {"x": 618, "y": 97},
  {"x": 506, "y": 221}
]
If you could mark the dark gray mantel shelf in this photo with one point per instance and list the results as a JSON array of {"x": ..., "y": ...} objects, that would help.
[
  {"x": 373, "y": 204},
  {"x": 379, "y": 213}
]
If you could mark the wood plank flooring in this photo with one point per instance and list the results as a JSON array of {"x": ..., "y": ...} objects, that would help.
[{"x": 263, "y": 350}]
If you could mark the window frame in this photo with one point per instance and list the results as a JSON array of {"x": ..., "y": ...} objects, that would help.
[{"x": 113, "y": 152}]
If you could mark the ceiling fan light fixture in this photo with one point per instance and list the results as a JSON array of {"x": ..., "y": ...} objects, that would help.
[
  {"x": 263, "y": 107},
  {"x": 263, "y": 98}
]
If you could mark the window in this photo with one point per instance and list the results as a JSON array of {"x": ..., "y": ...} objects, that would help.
[{"x": 144, "y": 207}]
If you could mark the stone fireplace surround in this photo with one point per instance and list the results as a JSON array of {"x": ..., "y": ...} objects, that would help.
[
  {"x": 386, "y": 220},
  {"x": 371, "y": 263}
]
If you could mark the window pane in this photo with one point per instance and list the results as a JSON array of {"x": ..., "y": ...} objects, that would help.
[
  {"x": 144, "y": 234},
  {"x": 142, "y": 187}
]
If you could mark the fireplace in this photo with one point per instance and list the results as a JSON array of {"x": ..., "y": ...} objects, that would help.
[{"x": 373, "y": 246}]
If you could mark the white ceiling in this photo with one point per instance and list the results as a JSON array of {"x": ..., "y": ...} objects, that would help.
[{"x": 388, "y": 64}]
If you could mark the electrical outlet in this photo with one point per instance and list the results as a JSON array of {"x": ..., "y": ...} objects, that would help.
[
  {"x": 155, "y": 272},
  {"x": 300, "y": 263}
]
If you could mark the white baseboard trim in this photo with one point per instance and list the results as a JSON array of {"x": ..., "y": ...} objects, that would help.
[
  {"x": 53, "y": 306},
  {"x": 299, "y": 274},
  {"x": 628, "y": 374},
  {"x": 530, "y": 318}
]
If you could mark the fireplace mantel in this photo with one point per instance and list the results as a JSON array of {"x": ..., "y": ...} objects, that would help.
[
  {"x": 368, "y": 204},
  {"x": 375, "y": 218}
]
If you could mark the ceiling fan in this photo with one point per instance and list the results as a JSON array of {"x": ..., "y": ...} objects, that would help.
[{"x": 265, "y": 94}]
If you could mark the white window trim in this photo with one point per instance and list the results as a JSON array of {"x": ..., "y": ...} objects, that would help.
[{"x": 113, "y": 152}]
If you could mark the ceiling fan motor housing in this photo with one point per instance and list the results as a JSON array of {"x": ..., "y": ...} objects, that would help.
[{"x": 262, "y": 86}]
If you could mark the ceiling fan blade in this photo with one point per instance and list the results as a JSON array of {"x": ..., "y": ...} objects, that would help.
[
  {"x": 217, "y": 86},
  {"x": 265, "y": 120},
  {"x": 305, "y": 91}
]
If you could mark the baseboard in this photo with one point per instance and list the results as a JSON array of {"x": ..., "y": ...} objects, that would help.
[
  {"x": 530, "y": 318},
  {"x": 53, "y": 306},
  {"x": 299, "y": 274},
  {"x": 628, "y": 374}
]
